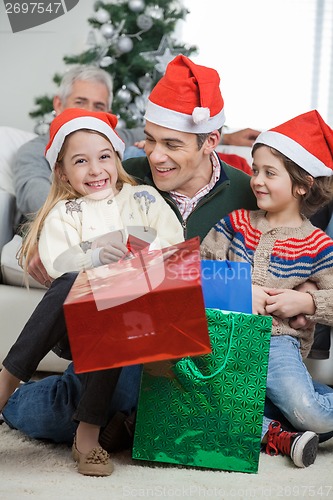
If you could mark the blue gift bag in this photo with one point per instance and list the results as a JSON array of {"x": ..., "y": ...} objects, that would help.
[{"x": 227, "y": 285}]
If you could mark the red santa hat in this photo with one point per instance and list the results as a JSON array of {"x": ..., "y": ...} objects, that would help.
[
  {"x": 187, "y": 98},
  {"x": 306, "y": 140},
  {"x": 73, "y": 119}
]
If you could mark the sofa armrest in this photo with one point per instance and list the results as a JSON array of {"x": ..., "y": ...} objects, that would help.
[{"x": 7, "y": 219}]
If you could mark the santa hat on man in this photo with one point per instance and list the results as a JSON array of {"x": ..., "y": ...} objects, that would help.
[
  {"x": 306, "y": 140},
  {"x": 74, "y": 119},
  {"x": 187, "y": 98}
]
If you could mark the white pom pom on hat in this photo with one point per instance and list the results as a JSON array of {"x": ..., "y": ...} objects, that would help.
[
  {"x": 306, "y": 140},
  {"x": 74, "y": 119},
  {"x": 201, "y": 115},
  {"x": 187, "y": 98}
]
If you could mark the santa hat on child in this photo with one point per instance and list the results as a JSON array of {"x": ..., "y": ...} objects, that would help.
[
  {"x": 306, "y": 140},
  {"x": 187, "y": 98},
  {"x": 73, "y": 119}
]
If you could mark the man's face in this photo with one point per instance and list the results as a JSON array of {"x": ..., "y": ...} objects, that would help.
[
  {"x": 176, "y": 163},
  {"x": 93, "y": 96}
]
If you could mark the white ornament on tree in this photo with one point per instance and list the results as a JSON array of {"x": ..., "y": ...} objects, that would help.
[
  {"x": 41, "y": 128},
  {"x": 123, "y": 95},
  {"x": 144, "y": 22},
  {"x": 136, "y": 5},
  {"x": 102, "y": 16},
  {"x": 124, "y": 44},
  {"x": 163, "y": 55},
  {"x": 154, "y": 11},
  {"x": 106, "y": 61},
  {"x": 107, "y": 30},
  {"x": 145, "y": 82}
]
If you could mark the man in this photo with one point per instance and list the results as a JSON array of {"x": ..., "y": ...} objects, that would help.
[{"x": 185, "y": 113}]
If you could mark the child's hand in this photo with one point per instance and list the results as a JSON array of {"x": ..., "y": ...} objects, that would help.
[
  {"x": 105, "y": 239},
  {"x": 259, "y": 299},
  {"x": 286, "y": 303},
  {"x": 112, "y": 252}
]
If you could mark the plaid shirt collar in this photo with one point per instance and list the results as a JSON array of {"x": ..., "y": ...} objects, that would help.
[{"x": 185, "y": 204}]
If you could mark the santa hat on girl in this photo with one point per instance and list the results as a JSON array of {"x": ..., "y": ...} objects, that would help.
[
  {"x": 73, "y": 119},
  {"x": 187, "y": 98},
  {"x": 306, "y": 140}
]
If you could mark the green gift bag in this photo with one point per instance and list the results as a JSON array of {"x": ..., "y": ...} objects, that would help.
[{"x": 207, "y": 411}]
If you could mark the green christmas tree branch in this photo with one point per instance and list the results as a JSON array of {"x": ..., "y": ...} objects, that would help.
[{"x": 140, "y": 25}]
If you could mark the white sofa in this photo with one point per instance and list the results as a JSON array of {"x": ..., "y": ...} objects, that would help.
[{"x": 16, "y": 301}]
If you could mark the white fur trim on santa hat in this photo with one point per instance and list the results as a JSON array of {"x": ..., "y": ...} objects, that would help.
[
  {"x": 181, "y": 121},
  {"x": 83, "y": 122},
  {"x": 295, "y": 152}
]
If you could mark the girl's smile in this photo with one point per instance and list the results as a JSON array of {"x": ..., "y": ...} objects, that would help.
[{"x": 90, "y": 165}]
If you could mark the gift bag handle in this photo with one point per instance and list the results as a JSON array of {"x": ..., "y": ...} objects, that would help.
[{"x": 188, "y": 362}]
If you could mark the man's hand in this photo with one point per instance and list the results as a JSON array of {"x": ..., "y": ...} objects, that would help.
[
  {"x": 286, "y": 303},
  {"x": 300, "y": 321},
  {"x": 37, "y": 270},
  {"x": 244, "y": 137},
  {"x": 140, "y": 144}
]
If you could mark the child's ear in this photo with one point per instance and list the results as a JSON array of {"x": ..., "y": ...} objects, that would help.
[
  {"x": 60, "y": 173},
  {"x": 301, "y": 190}
]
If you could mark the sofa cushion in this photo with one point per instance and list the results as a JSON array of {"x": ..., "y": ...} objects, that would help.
[
  {"x": 11, "y": 272},
  {"x": 10, "y": 140},
  {"x": 7, "y": 216}
]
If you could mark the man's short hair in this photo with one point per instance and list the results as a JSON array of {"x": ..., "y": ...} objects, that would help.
[{"x": 86, "y": 73}]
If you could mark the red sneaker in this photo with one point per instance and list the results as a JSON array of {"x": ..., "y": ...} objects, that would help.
[{"x": 301, "y": 447}]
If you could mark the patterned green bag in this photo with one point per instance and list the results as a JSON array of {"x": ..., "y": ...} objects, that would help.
[{"x": 207, "y": 411}]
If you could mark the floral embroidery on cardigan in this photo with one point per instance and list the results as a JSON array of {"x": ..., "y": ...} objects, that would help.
[
  {"x": 73, "y": 206},
  {"x": 144, "y": 200}
]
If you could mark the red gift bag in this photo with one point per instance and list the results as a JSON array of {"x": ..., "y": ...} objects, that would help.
[{"x": 147, "y": 308}]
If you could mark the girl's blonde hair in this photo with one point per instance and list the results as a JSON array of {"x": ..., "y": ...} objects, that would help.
[{"x": 60, "y": 190}]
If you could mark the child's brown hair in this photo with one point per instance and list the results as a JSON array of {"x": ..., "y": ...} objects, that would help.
[{"x": 318, "y": 190}]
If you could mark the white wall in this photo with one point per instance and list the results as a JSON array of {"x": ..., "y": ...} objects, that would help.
[
  {"x": 29, "y": 60},
  {"x": 263, "y": 51}
]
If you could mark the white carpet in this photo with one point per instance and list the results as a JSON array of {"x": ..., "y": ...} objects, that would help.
[{"x": 34, "y": 469}]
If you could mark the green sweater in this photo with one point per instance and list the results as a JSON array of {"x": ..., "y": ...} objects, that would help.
[{"x": 232, "y": 191}]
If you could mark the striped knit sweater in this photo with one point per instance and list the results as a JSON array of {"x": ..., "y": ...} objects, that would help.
[{"x": 280, "y": 258}]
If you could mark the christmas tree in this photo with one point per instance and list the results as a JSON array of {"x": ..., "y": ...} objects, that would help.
[{"x": 133, "y": 41}]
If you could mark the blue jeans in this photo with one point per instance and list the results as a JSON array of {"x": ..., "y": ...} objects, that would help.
[
  {"x": 44, "y": 409},
  {"x": 303, "y": 402}
]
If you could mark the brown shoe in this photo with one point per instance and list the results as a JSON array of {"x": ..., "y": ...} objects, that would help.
[{"x": 95, "y": 463}]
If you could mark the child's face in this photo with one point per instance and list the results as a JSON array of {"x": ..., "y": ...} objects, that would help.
[
  {"x": 271, "y": 184},
  {"x": 90, "y": 165}
]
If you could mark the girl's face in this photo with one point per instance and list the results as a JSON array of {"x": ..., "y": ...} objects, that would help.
[
  {"x": 89, "y": 165},
  {"x": 272, "y": 186}
]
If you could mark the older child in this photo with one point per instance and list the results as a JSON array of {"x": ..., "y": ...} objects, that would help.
[
  {"x": 292, "y": 178},
  {"x": 92, "y": 206}
]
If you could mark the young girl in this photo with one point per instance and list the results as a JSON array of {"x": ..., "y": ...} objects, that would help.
[
  {"x": 92, "y": 207},
  {"x": 292, "y": 179}
]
